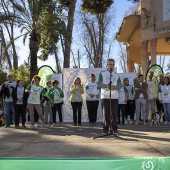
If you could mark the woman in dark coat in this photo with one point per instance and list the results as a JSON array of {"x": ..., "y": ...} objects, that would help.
[{"x": 20, "y": 101}]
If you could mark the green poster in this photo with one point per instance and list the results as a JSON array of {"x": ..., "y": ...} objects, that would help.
[
  {"x": 45, "y": 72},
  {"x": 157, "y": 71}
]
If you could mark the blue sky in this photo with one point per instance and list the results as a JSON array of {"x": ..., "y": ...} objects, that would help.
[{"x": 120, "y": 7}]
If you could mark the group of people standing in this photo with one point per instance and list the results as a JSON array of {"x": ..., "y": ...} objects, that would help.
[
  {"x": 120, "y": 100},
  {"x": 17, "y": 98}
]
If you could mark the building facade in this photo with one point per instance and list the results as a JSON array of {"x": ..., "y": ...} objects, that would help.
[{"x": 146, "y": 33}]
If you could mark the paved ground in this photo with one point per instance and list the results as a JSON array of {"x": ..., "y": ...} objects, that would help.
[{"x": 67, "y": 141}]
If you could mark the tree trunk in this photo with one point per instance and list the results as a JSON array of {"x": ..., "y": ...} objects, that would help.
[
  {"x": 33, "y": 45},
  {"x": 70, "y": 30},
  {"x": 57, "y": 62},
  {"x": 15, "y": 57},
  {"x": 6, "y": 53}
]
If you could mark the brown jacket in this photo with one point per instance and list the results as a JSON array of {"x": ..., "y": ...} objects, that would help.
[{"x": 141, "y": 89}]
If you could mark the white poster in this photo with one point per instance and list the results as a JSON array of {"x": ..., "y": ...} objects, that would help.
[
  {"x": 69, "y": 74},
  {"x": 166, "y": 10}
]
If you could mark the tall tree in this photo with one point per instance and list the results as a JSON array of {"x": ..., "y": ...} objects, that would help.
[
  {"x": 95, "y": 36},
  {"x": 67, "y": 42},
  {"x": 29, "y": 16},
  {"x": 8, "y": 26}
]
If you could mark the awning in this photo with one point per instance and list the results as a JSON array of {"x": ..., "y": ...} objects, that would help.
[{"x": 128, "y": 27}]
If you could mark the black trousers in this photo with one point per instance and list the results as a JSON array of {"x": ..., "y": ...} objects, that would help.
[
  {"x": 130, "y": 109},
  {"x": 20, "y": 109},
  {"x": 92, "y": 107},
  {"x": 57, "y": 107},
  {"x": 109, "y": 118},
  {"x": 76, "y": 106},
  {"x": 36, "y": 116},
  {"x": 160, "y": 108},
  {"x": 122, "y": 109}
]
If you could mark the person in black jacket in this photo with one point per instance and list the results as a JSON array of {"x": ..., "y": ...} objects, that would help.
[
  {"x": 5, "y": 91},
  {"x": 20, "y": 101}
]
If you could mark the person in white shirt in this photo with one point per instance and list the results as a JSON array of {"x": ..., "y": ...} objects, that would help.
[
  {"x": 57, "y": 95},
  {"x": 130, "y": 106},
  {"x": 123, "y": 96},
  {"x": 20, "y": 101},
  {"x": 164, "y": 97},
  {"x": 152, "y": 94},
  {"x": 108, "y": 86},
  {"x": 6, "y": 90},
  {"x": 34, "y": 100},
  {"x": 141, "y": 97},
  {"x": 92, "y": 99}
]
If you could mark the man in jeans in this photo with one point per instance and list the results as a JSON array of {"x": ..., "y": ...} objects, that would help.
[
  {"x": 141, "y": 98},
  {"x": 152, "y": 94},
  {"x": 6, "y": 90}
]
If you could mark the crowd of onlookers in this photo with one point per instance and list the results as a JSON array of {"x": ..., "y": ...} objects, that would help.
[{"x": 141, "y": 100}]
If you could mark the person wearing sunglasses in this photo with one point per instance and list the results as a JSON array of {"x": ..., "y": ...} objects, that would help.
[{"x": 57, "y": 95}]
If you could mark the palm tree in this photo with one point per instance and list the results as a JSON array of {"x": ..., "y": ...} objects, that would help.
[{"x": 27, "y": 16}]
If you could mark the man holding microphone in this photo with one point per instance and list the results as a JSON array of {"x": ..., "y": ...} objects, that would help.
[{"x": 109, "y": 80}]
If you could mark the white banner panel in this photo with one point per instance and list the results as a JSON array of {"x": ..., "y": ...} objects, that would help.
[
  {"x": 166, "y": 10},
  {"x": 69, "y": 74},
  {"x": 58, "y": 77}
]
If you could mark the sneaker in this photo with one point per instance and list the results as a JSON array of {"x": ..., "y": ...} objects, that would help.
[
  {"x": 130, "y": 122},
  {"x": 7, "y": 126},
  {"x": 79, "y": 124},
  {"x": 37, "y": 124},
  {"x": 165, "y": 123},
  {"x": 75, "y": 124},
  {"x": 126, "y": 122},
  {"x": 105, "y": 132},
  {"x": 32, "y": 127},
  {"x": 115, "y": 132}
]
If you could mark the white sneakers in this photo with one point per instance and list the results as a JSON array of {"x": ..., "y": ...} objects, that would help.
[
  {"x": 128, "y": 122},
  {"x": 165, "y": 123},
  {"x": 32, "y": 127}
]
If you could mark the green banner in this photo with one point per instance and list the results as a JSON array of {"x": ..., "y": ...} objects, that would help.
[
  {"x": 147, "y": 163},
  {"x": 157, "y": 71},
  {"x": 45, "y": 72}
]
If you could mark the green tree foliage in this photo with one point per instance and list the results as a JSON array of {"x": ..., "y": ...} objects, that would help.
[
  {"x": 96, "y": 6},
  {"x": 65, "y": 3},
  {"x": 51, "y": 25},
  {"x": 134, "y": 1},
  {"x": 22, "y": 73},
  {"x": 3, "y": 76}
]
